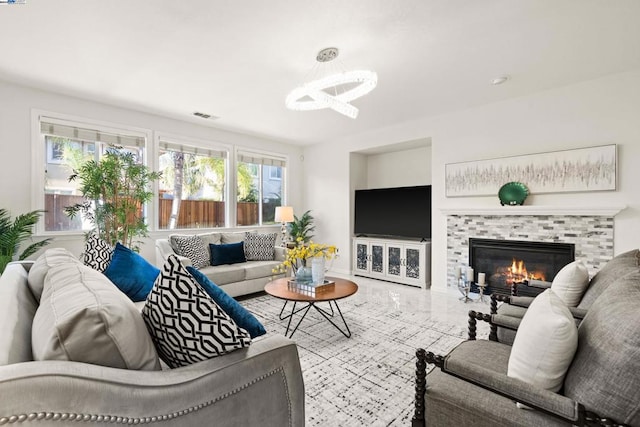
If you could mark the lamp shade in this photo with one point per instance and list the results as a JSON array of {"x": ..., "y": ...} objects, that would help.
[{"x": 284, "y": 214}]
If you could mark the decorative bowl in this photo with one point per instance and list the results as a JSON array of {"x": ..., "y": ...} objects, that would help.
[{"x": 513, "y": 193}]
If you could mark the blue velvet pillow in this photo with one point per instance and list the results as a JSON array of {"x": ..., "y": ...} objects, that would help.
[
  {"x": 228, "y": 253},
  {"x": 238, "y": 313},
  {"x": 131, "y": 273}
]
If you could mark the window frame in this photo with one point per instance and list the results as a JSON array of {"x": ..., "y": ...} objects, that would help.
[
  {"x": 39, "y": 158},
  {"x": 195, "y": 143}
]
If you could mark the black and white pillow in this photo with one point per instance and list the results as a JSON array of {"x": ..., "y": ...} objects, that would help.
[
  {"x": 259, "y": 247},
  {"x": 186, "y": 325},
  {"x": 194, "y": 248},
  {"x": 97, "y": 253}
]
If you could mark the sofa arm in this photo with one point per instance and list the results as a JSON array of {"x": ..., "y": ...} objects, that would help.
[
  {"x": 164, "y": 249},
  {"x": 512, "y": 388},
  {"x": 280, "y": 253},
  {"x": 259, "y": 385}
]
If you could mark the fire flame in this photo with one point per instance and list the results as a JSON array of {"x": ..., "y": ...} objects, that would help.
[{"x": 518, "y": 273}]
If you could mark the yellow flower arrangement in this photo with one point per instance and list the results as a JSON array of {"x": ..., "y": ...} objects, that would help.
[{"x": 301, "y": 253}]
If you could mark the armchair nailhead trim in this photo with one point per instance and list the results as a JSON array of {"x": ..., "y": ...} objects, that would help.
[{"x": 56, "y": 416}]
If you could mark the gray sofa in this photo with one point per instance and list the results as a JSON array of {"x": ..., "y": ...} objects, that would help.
[
  {"x": 260, "y": 385},
  {"x": 470, "y": 385},
  {"x": 236, "y": 279}
]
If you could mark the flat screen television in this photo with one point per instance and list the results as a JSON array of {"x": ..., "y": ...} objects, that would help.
[{"x": 394, "y": 212}]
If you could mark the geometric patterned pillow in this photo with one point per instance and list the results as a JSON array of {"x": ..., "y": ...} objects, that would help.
[
  {"x": 186, "y": 325},
  {"x": 97, "y": 253},
  {"x": 259, "y": 247},
  {"x": 194, "y": 248}
]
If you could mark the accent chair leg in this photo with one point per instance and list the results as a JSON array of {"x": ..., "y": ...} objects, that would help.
[{"x": 421, "y": 388}]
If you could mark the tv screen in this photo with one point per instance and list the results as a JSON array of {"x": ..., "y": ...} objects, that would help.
[{"x": 394, "y": 212}]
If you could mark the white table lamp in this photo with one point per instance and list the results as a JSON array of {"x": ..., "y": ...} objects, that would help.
[{"x": 284, "y": 214}]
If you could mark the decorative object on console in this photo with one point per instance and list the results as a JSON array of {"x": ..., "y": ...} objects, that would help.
[
  {"x": 334, "y": 91},
  {"x": 513, "y": 193},
  {"x": 12, "y": 234},
  {"x": 581, "y": 169},
  {"x": 197, "y": 334},
  {"x": 284, "y": 214}
]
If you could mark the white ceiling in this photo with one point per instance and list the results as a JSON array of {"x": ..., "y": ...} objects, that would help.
[{"x": 238, "y": 60}]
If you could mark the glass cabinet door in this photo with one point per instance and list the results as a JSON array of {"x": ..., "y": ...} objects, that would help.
[
  {"x": 377, "y": 258},
  {"x": 394, "y": 261},
  {"x": 412, "y": 257},
  {"x": 362, "y": 255}
]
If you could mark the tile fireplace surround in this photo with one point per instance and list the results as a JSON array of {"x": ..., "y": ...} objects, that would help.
[{"x": 589, "y": 229}]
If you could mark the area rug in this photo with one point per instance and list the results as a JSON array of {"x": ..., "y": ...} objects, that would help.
[{"x": 368, "y": 379}]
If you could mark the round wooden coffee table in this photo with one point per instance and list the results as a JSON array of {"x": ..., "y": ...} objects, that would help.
[{"x": 284, "y": 289}]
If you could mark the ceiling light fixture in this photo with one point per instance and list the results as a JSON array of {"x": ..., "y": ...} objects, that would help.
[{"x": 334, "y": 91}]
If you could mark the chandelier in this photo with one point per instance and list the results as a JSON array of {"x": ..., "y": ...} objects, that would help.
[{"x": 334, "y": 91}]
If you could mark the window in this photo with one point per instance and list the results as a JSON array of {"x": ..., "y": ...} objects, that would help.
[
  {"x": 260, "y": 188},
  {"x": 67, "y": 146},
  {"x": 192, "y": 188}
]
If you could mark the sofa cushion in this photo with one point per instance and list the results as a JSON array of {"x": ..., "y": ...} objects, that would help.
[
  {"x": 186, "y": 325},
  {"x": 260, "y": 247},
  {"x": 192, "y": 247},
  {"x": 619, "y": 266},
  {"x": 210, "y": 238},
  {"x": 237, "y": 312},
  {"x": 544, "y": 344},
  {"x": 234, "y": 236},
  {"x": 17, "y": 307},
  {"x": 570, "y": 283},
  {"x": 38, "y": 272},
  {"x": 259, "y": 269},
  {"x": 82, "y": 317},
  {"x": 97, "y": 253},
  {"x": 131, "y": 273},
  {"x": 223, "y": 274},
  {"x": 229, "y": 253},
  {"x": 604, "y": 373}
]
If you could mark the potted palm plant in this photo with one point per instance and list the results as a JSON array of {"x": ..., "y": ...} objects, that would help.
[
  {"x": 301, "y": 228},
  {"x": 115, "y": 189},
  {"x": 14, "y": 233}
]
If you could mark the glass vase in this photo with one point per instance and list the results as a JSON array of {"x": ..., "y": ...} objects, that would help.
[
  {"x": 303, "y": 273},
  {"x": 317, "y": 270}
]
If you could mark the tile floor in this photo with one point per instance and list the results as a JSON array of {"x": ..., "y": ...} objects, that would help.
[{"x": 444, "y": 307}]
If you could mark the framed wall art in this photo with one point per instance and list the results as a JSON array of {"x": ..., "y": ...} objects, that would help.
[{"x": 581, "y": 169}]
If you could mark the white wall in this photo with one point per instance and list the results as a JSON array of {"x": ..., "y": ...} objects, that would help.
[
  {"x": 399, "y": 168},
  {"x": 16, "y": 104},
  {"x": 597, "y": 112}
]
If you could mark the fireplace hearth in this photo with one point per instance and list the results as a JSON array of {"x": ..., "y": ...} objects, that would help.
[{"x": 509, "y": 262}]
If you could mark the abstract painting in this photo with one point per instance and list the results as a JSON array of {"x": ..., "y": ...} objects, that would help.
[{"x": 581, "y": 169}]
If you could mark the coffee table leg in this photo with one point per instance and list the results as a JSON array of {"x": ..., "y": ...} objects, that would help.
[
  {"x": 328, "y": 317},
  {"x": 293, "y": 311}
]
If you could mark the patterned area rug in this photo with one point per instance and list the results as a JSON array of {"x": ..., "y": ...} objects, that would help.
[{"x": 365, "y": 380}]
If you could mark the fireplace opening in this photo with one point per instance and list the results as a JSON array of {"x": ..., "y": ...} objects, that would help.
[{"x": 509, "y": 262}]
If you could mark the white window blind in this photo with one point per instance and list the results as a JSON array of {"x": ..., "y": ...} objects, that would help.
[
  {"x": 88, "y": 133},
  {"x": 261, "y": 159},
  {"x": 199, "y": 151}
]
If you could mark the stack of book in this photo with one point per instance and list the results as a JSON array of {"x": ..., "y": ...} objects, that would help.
[{"x": 311, "y": 289}]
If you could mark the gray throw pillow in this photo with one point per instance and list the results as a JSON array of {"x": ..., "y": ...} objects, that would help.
[
  {"x": 50, "y": 258},
  {"x": 259, "y": 247},
  {"x": 194, "y": 248},
  {"x": 83, "y": 317}
]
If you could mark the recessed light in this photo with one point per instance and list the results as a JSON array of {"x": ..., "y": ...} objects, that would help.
[{"x": 499, "y": 80}]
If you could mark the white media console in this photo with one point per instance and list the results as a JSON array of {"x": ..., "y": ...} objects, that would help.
[{"x": 400, "y": 261}]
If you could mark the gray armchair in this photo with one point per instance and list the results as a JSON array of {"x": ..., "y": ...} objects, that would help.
[
  {"x": 470, "y": 386},
  {"x": 507, "y": 317}
]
